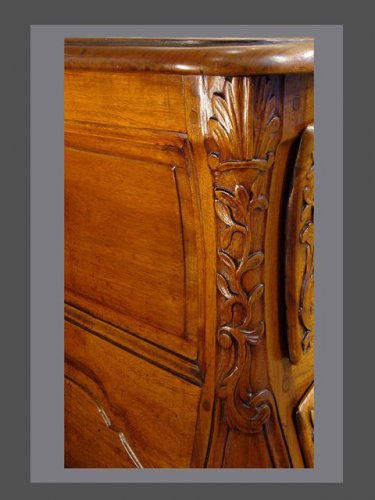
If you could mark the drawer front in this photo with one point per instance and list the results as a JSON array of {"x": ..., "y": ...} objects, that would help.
[{"x": 121, "y": 411}]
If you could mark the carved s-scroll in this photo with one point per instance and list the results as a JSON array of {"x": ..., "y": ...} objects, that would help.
[{"x": 299, "y": 261}]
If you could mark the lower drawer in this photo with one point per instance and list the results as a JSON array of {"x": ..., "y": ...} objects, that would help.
[{"x": 122, "y": 411}]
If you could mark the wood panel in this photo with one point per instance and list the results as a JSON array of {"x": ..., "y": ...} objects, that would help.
[
  {"x": 154, "y": 410},
  {"x": 125, "y": 99},
  {"x": 130, "y": 235}
]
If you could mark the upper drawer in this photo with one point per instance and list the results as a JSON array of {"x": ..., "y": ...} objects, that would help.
[{"x": 128, "y": 99}]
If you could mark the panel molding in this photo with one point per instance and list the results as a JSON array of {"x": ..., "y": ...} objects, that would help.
[{"x": 145, "y": 349}]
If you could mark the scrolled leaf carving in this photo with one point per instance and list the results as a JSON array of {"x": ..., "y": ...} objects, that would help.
[{"x": 246, "y": 410}]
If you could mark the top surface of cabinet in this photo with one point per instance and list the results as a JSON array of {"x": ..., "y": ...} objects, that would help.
[{"x": 192, "y": 56}]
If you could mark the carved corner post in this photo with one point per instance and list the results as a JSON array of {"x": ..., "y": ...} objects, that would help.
[{"x": 242, "y": 128}]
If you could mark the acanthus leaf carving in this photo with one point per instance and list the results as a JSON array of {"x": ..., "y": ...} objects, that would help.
[{"x": 244, "y": 128}]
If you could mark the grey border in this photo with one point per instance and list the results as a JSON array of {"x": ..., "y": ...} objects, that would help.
[{"x": 47, "y": 257}]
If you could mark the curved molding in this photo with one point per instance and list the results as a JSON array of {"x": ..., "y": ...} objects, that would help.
[
  {"x": 144, "y": 349},
  {"x": 299, "y": 260},
  {"x": 93, "y": 390},
  {"x": 192, "y": 56},
  {"x": 305, "y": 426}
]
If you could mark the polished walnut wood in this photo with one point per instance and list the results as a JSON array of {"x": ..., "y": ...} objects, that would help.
[{"x": 188, "y": 253}]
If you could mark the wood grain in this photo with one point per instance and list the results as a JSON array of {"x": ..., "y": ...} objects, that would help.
[{"x": 125, "y": 99}]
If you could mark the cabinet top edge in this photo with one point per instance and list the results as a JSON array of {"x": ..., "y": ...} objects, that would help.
[{"x": 211, "y": 56}]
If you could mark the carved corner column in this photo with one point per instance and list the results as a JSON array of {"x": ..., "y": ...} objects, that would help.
[{"x": 242, "y": 129}]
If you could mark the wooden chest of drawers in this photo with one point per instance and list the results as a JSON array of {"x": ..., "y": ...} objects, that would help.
[{"x": 189, "y": 253}]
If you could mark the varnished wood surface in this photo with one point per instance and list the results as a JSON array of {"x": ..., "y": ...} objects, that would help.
[
  {"x": 125, "y": 99},
  {"x": 123, "y": 263},
  {"x": 208, "y": 56},
  {"x": 176, "y": 191}
]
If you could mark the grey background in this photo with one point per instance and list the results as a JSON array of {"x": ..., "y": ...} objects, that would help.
[
  {"x": 357, "y": 18},
  {"x": 47, "y": 256}
]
